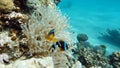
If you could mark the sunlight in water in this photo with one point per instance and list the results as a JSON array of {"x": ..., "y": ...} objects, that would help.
[{"x": 93, "y": 17}]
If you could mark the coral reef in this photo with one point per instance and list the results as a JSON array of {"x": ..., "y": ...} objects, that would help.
[
  {"x": 91, "y": 56},
  {"x": 115, "y": 59},
  {"x": 6, "y": 5},
  {"x": 112, "y": 36},
  {"x": 100, "y": 48},
  {"x": 95, "y": 56},
  {"x": 34, "y": 34},
  {"x": 4, "y": 58},
  {"x": 45, "y": 62},
  {"x": 24, "y": 26},
  {"x": 82, "y": 40}
]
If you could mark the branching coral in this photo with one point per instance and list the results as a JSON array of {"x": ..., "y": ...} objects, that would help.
[
  {"x": 90, "y": 56},
  {"x": 115, "y": 59}
]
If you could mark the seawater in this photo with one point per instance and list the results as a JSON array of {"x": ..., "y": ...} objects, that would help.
[{"x": 92, "y": 17}]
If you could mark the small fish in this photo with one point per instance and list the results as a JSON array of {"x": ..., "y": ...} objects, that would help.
[
  {"x": 51, "y": 35},
  {"x": 60, "y": 43}
]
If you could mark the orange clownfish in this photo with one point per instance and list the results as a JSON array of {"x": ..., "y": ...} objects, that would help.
[{"x": 60, "y": 43}]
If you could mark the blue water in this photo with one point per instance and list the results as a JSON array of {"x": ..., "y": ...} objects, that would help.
[{"x": 91, "y": 17}]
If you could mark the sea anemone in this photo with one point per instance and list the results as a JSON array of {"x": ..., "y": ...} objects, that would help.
[{"x": 41, "y": 22}]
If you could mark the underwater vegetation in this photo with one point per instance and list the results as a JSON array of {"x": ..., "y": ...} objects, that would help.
[{"x": 111, "y": 36}]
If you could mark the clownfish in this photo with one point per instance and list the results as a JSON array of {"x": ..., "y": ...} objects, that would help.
[
  {"x": 60, "y": 43},
  {"x": 50, "y": 36}
]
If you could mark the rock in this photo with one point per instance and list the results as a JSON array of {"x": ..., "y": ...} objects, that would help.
[
  {"x": 60, "y": 61},
  {"x": 4, "y": 58},
  {"x": 6, "y": 5},
  {"x": 77, "y": 65},
  {"x": 45, "y": 62},
  {"x": 82, "y": 37}
]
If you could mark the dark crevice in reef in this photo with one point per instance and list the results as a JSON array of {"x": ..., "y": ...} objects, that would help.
[{"x": 22, "y": 4}]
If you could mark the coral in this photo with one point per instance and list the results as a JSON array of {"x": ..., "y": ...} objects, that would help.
[
  {"x": 36, "y": 3},
  {"x": 13, "y": 20},
  {"x": 77, "y": 65},
  {"x": 6, "y": 5},
  {"x": 25, "y": 42},
  {"x": 45, "y": 62},
  {"x": 112, "y": 36},
  {"x": 82, "y": 37},
  {"x": 23, "y": 36},
  {"x": 101, "y": 49},
  {"x": 91, "y": 57},
  {"x": 115, "y": 59},
  {"x": 8, "y": 46},
  {"x": 82, "y": 40},
  {"x": 60, "y": 60},
  {"x": 5, "y": 40},
  {"x": 20, "y": 6},
  {"x": 4, "y": 58}
]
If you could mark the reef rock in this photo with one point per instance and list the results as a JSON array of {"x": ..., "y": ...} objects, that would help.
[
  {"x": 100, "y": 49},
  {"x": 35, "y": 3},
  {"x": 115, "y": 59},
  {"x": 6, "y": 5},
  {"x": 77, "y": 65},
  {"x": 45, "y": 62},
  {"x": 4, "y": 58},
  {"x": 89, "y": 58},
  {"x": 60, "y": 60}
]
